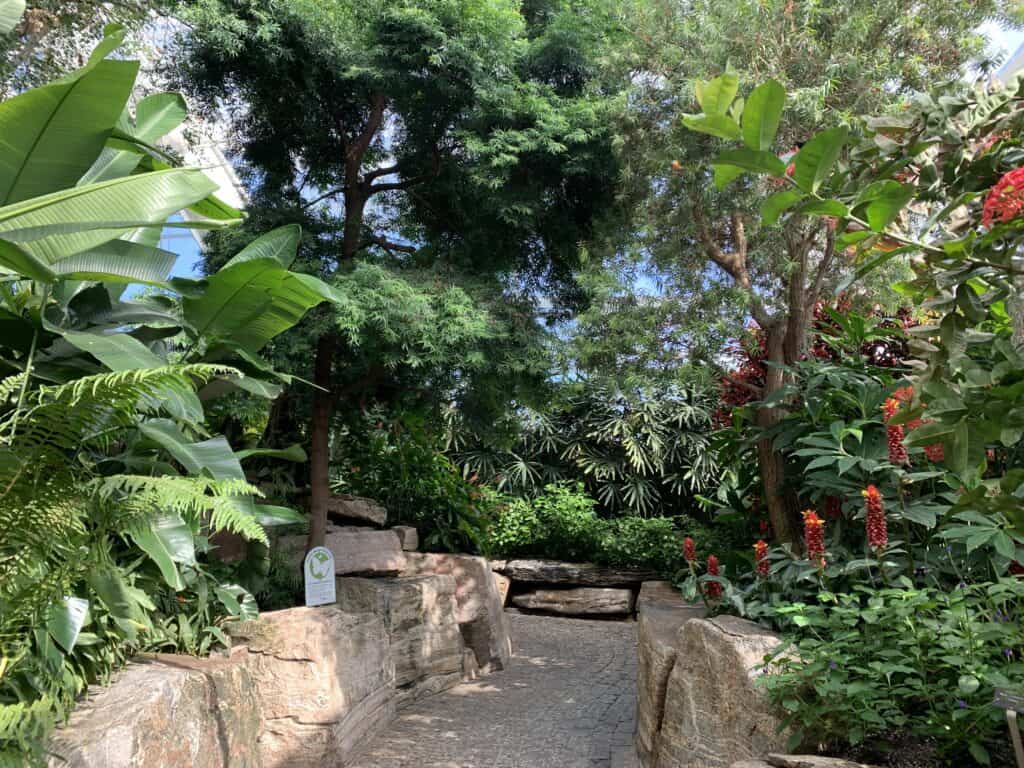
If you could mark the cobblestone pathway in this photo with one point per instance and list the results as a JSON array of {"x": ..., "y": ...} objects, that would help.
[{"x": 568, "y": 701}]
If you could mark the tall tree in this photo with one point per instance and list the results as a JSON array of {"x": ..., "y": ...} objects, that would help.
[
  {"x": 835, "y": 59},
  {"x": 417, "y": 131}
]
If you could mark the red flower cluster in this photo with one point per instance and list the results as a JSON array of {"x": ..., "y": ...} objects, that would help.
[
  {"x": 714, "y": 589},
  {"x": 814, "y": 537},
  {"x": 894, "y": 433},
  {"x": 878, "y": 534},
  {"x": 761, "y": 558},
  {"x": 689, "y": 550},
  {"x": 1005, "y": 200},
  {"x": 935, "y": 453}
]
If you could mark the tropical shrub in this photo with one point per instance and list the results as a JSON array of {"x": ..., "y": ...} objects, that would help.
[
  {"x": 877, "y": 662},
  {"x": 643, "y": 452},
  {"x": 903, "y": 593},
  {"x": 110, "y": 482}
]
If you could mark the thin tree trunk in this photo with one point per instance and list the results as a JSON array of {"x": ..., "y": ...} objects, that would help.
[
  {"x": 781, "y": 503},
  {"x": 320, "y": 441}
]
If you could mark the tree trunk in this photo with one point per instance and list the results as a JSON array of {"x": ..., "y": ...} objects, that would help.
[
  {"x": 781, "y": 502},
  {"x": 320, "y": 441}
]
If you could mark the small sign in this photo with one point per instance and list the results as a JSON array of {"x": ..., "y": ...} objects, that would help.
[
  {"x": 319, "y": 572},
  {"x": 1005, "y": 699}
]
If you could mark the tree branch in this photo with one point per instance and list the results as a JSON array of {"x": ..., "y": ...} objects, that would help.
[
  {"x": 823, "y": 267},
  {"x": 324, "y": 196},
  {"x": 387, "y": 170},
  {"x": 735, "y": 262},
  {"x": 389, "y": 245}
]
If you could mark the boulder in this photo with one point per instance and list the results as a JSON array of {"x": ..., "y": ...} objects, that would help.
[
  {"x": 503, "y": 584},
  {"x": 660, "y": 612},
  {"x": 581, "y": 601},
  {"x": 572, "y": 574},
  {"x": 162, "y": 711},
  {"x": 408, "y": 537},
  {"x": 714, "y": 713},
  {"x": 419, "y": 614},
  {"x": 356, "y": 550},
  {"x": 324, "y": 680},
  {"x": 344, "y": 507},
  {"x": 480, "y": 613},
  {"x": 798, "y": 761}
]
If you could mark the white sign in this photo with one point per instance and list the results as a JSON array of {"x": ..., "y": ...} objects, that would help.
[{"x": 319, "y": 572}]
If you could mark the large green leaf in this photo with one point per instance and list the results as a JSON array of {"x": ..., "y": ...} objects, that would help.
[
  {"x": 716, "y": 96},
  {"x": 119, "y": 261},
  {"x": 815, "y": 160},
  {"x": 50, "y": 136},
  {"x": 79, "y": 219},
  {"x": 773, "y": 208},
  {"x": 155, "y": 116},
  {"x": 117, "y": 351},
  {"x": 721, "y": 126},
  {"x": 17, "y": 262},
  {"x": 10, "y": 14},
  {"x": 751, "y": 160},
  {"x": 762, "y": 114},
  {"x": 167, "y": 540},
  {"x": 251, "y": 302},
  {"x": 279, "y": 244},
  {"x": 65, "y": 619},
  {"x": 269, "y": 515},
  {"x": 291, "y": 453},
  {"x": 214, "y": 456}
]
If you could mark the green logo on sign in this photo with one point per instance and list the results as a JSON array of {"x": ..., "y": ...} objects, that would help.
[{"x": 316, "y": 563}]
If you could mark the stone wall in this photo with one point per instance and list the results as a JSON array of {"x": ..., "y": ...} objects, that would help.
[
  {"x": 300, "y": 687},
  {"x": 699, "y": 706}
]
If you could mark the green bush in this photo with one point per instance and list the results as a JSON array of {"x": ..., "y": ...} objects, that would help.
[
  {"x": 397, "y": 462},
  {"x": 884, "y": 661},
  {"x": 562, "y": 524}
]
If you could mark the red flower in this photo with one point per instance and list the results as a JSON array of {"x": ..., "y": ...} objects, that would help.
[
  {"x": 833, "y": 507},
  {"x": 878, "y": 534},
  {"x": 904, "y": 394},
  {"x": 814, "y": 537},
  {"x": 765, "y": 527},
  {"x": 689, "y": 550},
  {"x": 791, "y": 169},
  {"x": 714, "y": 589},
  {"x": 1005, "y": 200},
  {"x": 935, "y": 452},
  {"x": 761, "y": 558},
  {"x": 894, "y": 433}
]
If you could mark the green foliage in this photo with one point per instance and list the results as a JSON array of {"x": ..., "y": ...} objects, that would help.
[
  {"x": 877, "y": 662},
  {"x": 397, "y": 463},
  {"x": 110, "y": 481},
  {"x": 640, "y": 452},
  {"x": 562, "y": 523}
]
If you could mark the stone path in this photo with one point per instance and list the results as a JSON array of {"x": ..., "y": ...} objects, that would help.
[{"x": 568, "y": 701}]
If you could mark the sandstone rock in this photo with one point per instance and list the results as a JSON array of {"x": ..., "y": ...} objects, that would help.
[
  {"x": 661, "y": 611},
  {"x": 408, "y": 536},
  {"x": 356, "y": 550},
  {"x": 165, "y": 711},
  {"x": 809, "y": 761},
  {"x": 419, "y": 614},
  {"x": 581, "y": 601},
  {"x": 480, "y": 612},
  {"x": 324, "y": 679},
  {"x": 798, "y": 761},
  {"x": 575, "y": 574},
  {"x": 345, "y": 507},
  {"x": 714, "y": 715},
  {"x": 503, "y": 584}
]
